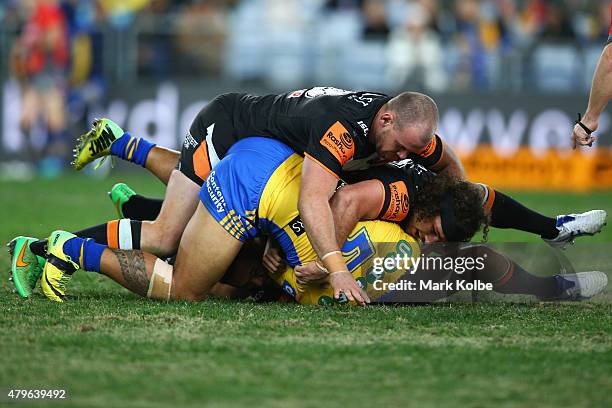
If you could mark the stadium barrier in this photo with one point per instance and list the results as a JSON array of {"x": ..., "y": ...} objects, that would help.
[
  {"x": 516, "y": 141},
  {"x": 558, "y": 170}
]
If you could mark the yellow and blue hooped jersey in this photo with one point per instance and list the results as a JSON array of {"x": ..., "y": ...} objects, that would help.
[
  {"x": 279, "y": 217},
  {"x": 234, "y": 186},
  {"x": 254, "y": 189}
]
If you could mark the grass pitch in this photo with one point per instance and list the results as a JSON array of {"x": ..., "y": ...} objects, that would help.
[{"x": 107, "y": 347}]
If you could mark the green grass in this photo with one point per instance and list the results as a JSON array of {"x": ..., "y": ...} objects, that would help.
[{"x": 107, "y": 347}]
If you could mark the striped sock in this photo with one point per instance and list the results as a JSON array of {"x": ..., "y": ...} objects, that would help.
[
  {"x": 133, "y": 149},
  {"x": 117, "y": 234},
  {"x": 123, "y": 234},
  {"x": 86, "y": 252}
]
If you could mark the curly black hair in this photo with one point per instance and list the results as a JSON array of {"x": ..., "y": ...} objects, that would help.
[{"x": 467, "y": 204}]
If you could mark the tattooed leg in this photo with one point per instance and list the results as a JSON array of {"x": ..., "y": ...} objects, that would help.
[
  {"x": 132, "y": 269},
  {"x": 205, "y": 253}
]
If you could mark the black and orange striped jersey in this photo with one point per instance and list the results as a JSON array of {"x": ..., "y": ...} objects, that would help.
[{"x": 329, "y": 125}]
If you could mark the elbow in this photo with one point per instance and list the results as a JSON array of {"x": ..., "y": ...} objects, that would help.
[
  {"x": 606, "y": 58},
  {"x": 302, "y": 208},
  {"x": 344, "y": 201}
]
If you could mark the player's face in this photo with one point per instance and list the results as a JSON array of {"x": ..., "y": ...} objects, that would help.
[
  {"x": 427, "y": 231},
  {"x": 394, "y": 143}
]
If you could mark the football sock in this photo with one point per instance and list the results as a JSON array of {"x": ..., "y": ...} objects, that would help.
[
  {"x": 509, "y": 213},
  {"x": 133, "y": 149},
  {"x": 142, "y": 208},
  {"x": 508, "y": 277},
  {"x": 86, "y": 252},
  {"x": 117, "y": 234},
  {"x": 519, "y": 281},
  {"x": 38, "y": 247}
]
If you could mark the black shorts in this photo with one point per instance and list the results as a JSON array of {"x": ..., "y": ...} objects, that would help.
[{"x": 210, "y": 136}]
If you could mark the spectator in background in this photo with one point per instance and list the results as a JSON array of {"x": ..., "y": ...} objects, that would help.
[
  {"x": 155, "y": 51},
  {"x": 557, "y": 25},
  {"x": 343, "y": 4},
  {"x": 375, "y": 24},
  {"x": 87, "y": 83},
  {"x": 415, "y": 54},
  {"x": 40, "y": 60},
  {"x": 201, "y": 36},
  {"x": 471, "y": 68}
]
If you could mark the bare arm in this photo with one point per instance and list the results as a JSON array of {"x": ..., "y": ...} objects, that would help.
[
  {"x": 601, "y": 93},
  {"x": 449, "y": 164},
  {"x": 355, "y": 202},
  {"x": 317, "y": 187}
]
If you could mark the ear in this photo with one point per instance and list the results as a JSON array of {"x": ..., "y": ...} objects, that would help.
[{"x": 387, "y": 118}]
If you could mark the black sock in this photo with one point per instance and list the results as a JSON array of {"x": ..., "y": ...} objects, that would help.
[
  {"x": 508, "y": 277},
  {"x": 116, "y": 234},
  {"x": 520, "y": 281},
  {"x": 39, "y": 247},
  {"x": 142, "y": 208},
  {"x": 97, "y": 233},
  {"x": 509, "y": 213}
]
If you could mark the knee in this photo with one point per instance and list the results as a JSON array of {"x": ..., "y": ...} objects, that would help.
[
  {"x": 186, "y": 293},
  {"x": 163, "y": 237},
  {"x": 164, "y": 285}
]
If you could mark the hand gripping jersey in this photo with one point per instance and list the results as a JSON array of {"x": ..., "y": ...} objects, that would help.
[{"x": 254, "y": 190}]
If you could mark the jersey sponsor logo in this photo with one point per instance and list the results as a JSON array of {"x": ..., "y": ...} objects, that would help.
[
  {"x": 325, "y": 300},
  {"x": 289, "y": 289},
  {"x": 339, "y": 143},
  {"x": 364, "y": 98},
  {"x": 297, "y": 94},
  {"x": 429, "y": 149},
  {"x": 364, "y": 128},
  {"x": 189, "y": 141},
  {"x": 215, "y": 192},
  {"x": 297, "y": 226},
  {"x": 409, "y": 163},
  {"x": 398, "y": 203},
  {"x": 325, "y": 91}
]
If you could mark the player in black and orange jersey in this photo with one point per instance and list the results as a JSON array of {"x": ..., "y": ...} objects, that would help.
[
  {"x": 392, "y": 187},
  {"x": 600, "y": 95},
  {"x": 332, "y": 128}
]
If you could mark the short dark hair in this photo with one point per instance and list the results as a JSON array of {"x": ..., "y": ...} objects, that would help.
[
  {"x": 467, "y": 206},
  {"x": 415, "y": 109}
]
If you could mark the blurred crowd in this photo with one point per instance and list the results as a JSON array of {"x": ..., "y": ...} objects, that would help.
[{"x": 65, "y": 53}]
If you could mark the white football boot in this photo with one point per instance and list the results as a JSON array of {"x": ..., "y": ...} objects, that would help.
[{"x": 571, "y": 226}]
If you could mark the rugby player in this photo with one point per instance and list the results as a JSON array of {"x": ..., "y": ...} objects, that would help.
[
  {"x": 254, "y": 190},
  {"x": 329, "y": 126}
]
